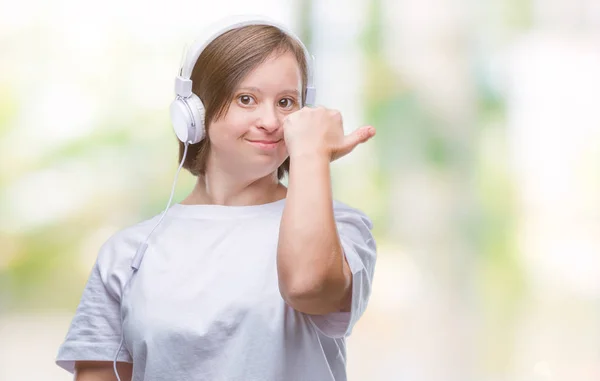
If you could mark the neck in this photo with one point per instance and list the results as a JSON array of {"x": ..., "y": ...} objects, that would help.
[{"x": 220, "y": 188}]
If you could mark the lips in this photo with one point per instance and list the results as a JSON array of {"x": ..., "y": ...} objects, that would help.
[
  {"x": 264, "y": 141},
  {"x": 265, "y": 144}
]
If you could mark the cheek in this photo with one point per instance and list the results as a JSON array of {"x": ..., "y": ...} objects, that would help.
[
  {"x": 228, "y": 131},
  {"x": 282, "y": 152}
]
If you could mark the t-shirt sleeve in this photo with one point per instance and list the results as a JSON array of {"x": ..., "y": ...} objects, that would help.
[
  {"x": 95, "y": 330},
  {"x": 354, "y": 229}
]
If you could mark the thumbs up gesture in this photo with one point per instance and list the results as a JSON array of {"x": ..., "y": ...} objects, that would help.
[{"x": 320, "y": 131}]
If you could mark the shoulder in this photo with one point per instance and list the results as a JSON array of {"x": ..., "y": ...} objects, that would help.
[
  {"x": 345, "y": 214},
  {"x": 355, "y": 230},
  {"x": 119, "y": 249}
]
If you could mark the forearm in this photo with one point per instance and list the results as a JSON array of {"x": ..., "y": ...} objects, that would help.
[{"x": 310, "y": 259}]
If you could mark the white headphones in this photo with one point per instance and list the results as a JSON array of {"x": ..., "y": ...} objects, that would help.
[{"x": 187, "y": 110}]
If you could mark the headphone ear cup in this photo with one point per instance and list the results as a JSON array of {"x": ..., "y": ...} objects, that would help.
[
  {"x": 198, "y": 114},
  {"x": 187, "y": 117},
  {"x": 181, "y": 120}
]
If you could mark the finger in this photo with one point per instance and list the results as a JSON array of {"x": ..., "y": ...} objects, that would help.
[{"x": 358, "y": 136}]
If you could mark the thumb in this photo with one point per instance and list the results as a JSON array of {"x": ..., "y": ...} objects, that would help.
[
  {"x": 358, "y": 136},
  {"x": 353, "y": 139}
]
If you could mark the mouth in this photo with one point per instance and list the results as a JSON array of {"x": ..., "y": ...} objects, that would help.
[{"x": 264, "y": 144}]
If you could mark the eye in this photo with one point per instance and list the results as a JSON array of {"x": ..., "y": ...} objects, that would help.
[
  {"x": 287, "y": 103},
  {"x": 245, "y": 100}
]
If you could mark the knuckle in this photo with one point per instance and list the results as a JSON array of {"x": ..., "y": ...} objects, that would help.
[{"x": 335, "y": 114}]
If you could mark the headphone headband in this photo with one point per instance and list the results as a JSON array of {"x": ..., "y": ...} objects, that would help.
[
  {"x": 224, "y": 26},
  {"x": 230, "y": 23}
]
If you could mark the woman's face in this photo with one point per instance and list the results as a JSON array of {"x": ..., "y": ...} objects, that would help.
[{"x": 248, "y": 140}]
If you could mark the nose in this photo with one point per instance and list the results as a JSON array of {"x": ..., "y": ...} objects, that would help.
[{"x": 269, "y": 119}]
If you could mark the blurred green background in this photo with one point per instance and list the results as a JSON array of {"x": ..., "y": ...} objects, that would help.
[{"x": 483, "y": 180}]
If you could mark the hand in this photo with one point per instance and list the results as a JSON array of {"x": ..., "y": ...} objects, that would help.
[{"x": 320, "y": 131}]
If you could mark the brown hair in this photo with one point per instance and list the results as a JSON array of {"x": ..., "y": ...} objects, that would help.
[{"x": 223, "y": 64}]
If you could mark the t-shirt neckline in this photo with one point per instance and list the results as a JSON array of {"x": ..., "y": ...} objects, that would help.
[{"x": 224, "y": 211}]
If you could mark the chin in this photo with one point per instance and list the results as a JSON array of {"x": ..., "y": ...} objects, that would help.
[{"x": 259, "y": 171}]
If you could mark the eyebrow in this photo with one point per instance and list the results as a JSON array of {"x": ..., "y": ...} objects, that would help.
[{"x": 257, "y": 90}]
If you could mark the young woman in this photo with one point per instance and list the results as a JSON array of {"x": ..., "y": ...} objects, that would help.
[{"x": 245, "y": 279}]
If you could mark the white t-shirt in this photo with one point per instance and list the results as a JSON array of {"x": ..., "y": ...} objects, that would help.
[{"x": 205, "y": 302}]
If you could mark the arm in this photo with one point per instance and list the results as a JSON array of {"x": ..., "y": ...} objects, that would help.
[
  {"x": 102, "y": 371},
  {"x": 314, "y": 276}
]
